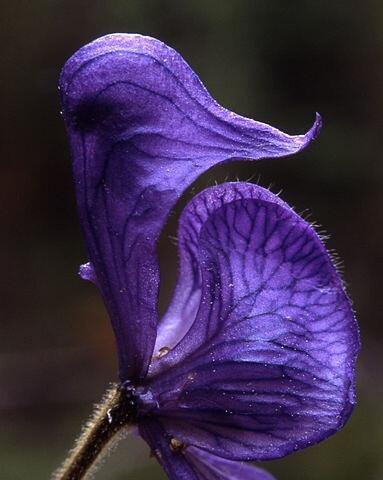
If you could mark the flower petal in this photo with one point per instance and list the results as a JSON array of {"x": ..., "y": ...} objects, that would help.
[
  {"x": 142, "y": 128},
  {"x": 193, "y": 463},
  {"x": 222, "y": 469},
  {"x": 267, "y": 367},
  {"x": 183, "y": 308}
]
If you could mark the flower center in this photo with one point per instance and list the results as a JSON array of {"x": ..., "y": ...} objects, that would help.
[{"x": 140, "y": 399}]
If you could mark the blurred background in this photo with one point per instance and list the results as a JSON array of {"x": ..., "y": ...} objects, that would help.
[{"x": 277, "y": 61}]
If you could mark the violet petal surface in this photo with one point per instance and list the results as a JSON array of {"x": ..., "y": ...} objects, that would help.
[
  {"x": 142, "y": 128},
  {"x": 267, "y": 367},
  {"x": 183, "y": 308},
  {"x": 193, "y": 463}
]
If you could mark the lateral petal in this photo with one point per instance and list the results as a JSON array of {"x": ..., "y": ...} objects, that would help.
[
  {"x": 222, "y": 469},
  {"x": 268, "y": 365},
  {"x": 193, "y": 463},
  {"x": 183, "y": 308}
]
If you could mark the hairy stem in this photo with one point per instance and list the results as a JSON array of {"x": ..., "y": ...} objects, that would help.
[{"x": 109, "y": 420}]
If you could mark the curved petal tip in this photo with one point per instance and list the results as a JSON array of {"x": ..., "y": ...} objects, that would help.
[{"x": 315, "y": 130}]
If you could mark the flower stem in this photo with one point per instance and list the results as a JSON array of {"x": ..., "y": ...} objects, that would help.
[{"x": 109, "y": 420}]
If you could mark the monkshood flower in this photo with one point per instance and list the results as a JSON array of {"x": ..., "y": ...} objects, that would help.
[{"x": 255, "y": 355}]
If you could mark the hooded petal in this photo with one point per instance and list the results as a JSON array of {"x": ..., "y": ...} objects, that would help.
[
  {"x": 267, "y": 366},
  {"x": 193, "y": 463},
  {"x": 142, "y": 128}
]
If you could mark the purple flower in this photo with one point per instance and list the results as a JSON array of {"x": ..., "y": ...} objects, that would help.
[{"x": 254, "y": 357}]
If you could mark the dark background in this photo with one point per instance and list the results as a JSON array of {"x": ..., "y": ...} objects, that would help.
[{"x": 278, "y": 61}]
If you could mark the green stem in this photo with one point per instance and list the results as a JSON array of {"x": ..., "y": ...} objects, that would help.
[{"x": 107, "y": 423}]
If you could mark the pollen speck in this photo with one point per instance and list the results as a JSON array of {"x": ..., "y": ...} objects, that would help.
[
  {"x": 161, "y": 353},
  {"x": 176, "y": 446}
]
